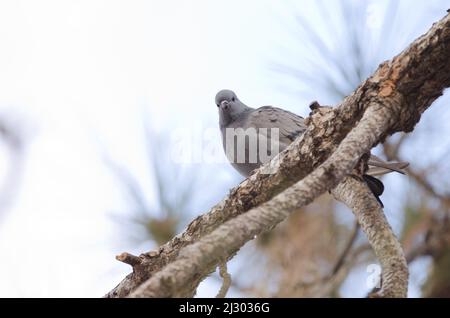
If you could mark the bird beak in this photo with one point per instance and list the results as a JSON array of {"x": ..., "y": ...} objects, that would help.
[{"x": 224, "y": 104}]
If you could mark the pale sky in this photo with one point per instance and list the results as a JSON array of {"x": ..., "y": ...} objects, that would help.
[{"x": 80, "y": 74}]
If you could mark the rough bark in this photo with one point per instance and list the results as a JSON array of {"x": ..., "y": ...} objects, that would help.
[
  {"x": 357, "y": 196},
  {"x": 200, "y": 258},
  {"x": 391, "y": 100}
]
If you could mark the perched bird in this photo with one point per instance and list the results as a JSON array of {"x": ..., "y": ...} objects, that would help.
[{"x": 257, "y": 125}]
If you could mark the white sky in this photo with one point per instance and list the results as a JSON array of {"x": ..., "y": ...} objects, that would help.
[{"x": 80, "y": 73}]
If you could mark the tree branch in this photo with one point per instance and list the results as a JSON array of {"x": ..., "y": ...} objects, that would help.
[
  {"x": 226, "y": 283},
  {"x": 356, "y": 195},
  {"x": 199, "y": 259},
  {"x": 342, "y": 258},
  {"x": 391, "y": 100}
]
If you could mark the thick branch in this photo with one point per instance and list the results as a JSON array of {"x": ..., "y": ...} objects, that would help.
[
  {"x": 394, "y": 97},
  {"x": 356, "y": 195},
  {"x": 200, "y": 258}
]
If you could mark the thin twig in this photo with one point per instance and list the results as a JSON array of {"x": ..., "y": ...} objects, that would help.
[
  {"x": 341, "y": 260},
  {"x": 129, "y": 259},
  {"x": 226, "y": 280}
]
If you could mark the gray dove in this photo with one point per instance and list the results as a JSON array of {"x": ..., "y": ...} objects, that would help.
[{"x": 277, "y": 127}]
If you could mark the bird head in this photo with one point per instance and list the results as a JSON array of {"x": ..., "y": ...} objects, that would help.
[{"x": 230, "y": 107}]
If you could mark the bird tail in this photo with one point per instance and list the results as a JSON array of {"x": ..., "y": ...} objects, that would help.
[
  {"x": 378, "y": 167},
  {"x": 375, "y": 185}
]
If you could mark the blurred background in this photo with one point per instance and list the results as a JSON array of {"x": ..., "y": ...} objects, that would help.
[{"x": 109, "y": 139}]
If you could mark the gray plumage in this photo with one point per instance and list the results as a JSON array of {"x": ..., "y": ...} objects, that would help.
[{"x": 235, "y": 114}]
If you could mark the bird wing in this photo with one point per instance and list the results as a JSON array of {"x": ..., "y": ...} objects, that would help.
[{"x": 289, "y": 124}]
